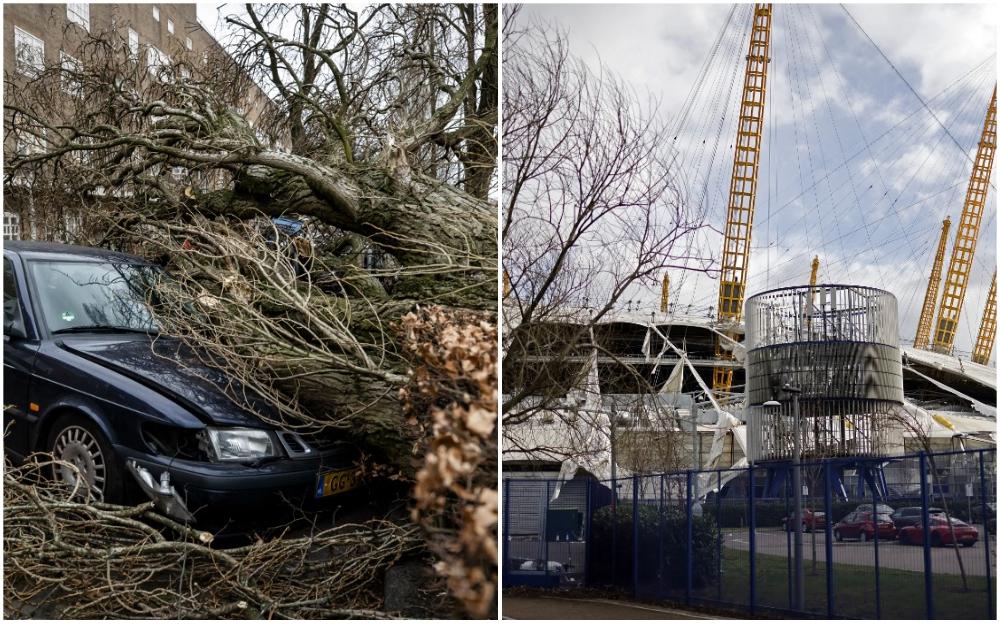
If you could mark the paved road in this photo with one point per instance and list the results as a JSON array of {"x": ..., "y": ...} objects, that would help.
[
  {"x": 892, "y": 554},
  {"x": 553, "y": 608}
]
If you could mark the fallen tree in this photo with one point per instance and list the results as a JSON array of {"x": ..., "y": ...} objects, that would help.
[{"x": 378, "y": 128}]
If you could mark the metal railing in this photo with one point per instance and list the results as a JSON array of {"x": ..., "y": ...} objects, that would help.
[{"x": 723, "y": 537}]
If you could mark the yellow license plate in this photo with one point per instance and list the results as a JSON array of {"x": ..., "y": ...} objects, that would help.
[{"x": 331, "y": 483}]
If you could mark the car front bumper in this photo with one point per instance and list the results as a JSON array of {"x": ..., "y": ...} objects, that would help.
[{"x": 234, "y": 493}]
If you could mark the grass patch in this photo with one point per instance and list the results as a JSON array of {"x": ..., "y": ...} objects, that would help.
[{"x": 901, "y": 591}]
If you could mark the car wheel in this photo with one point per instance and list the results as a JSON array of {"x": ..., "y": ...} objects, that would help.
[
  {"x": 905, "y": 541},
  {"x": 968, "y": 544},
  {"x": 77, "y": 441},
  {"x": 837, "y": 536},
  {"x": 936, "y": 540},
  {"x": 863, "y": 537}
]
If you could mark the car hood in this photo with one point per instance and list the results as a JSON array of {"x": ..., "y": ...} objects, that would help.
[{"x": 169, "y": 367}]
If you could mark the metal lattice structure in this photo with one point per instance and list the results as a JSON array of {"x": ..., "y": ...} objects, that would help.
[
  {"x": 923, "y": 336},
  {"x": 987, "y": 327},
  {"x": 841, "y": 350},
  {"x": 960, "y": 266},
  {"x": 743, "y": 186}
]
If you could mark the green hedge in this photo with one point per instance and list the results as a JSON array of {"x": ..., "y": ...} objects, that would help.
[{"x": 666, "y": 534}]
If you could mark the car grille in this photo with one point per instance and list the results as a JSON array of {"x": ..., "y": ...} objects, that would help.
[
  {"x": 294, "y": 445},
  {"x": 300, "y": 446}
]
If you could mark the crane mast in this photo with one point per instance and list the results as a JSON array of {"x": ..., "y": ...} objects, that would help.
[
  {"x": 743, "y": 187},
  {"x": 987, "y": 327},
  {"x": 665, "y": 293},
  {"x": 933, "y": 284},
  {"x": 960, "y": 265},
  {"x": 815, "y": 271}
]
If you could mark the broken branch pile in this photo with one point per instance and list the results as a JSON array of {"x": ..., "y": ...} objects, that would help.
[{"x": 97, "y": 560}]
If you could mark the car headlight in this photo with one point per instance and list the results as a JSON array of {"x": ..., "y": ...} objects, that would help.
[{"x": 239, "y": 444}]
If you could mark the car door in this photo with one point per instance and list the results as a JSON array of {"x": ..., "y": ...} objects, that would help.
[
  {"x": 20, "y": 346},
  {"x": 845, "y": 525}
]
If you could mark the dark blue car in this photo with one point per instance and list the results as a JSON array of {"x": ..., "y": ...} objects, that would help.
[{"x": 88, "y": 377}]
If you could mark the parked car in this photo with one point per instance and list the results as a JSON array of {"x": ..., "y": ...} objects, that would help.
[
  {"x": 908, "y": 516},
  {"x": 81, "y": 381},
  {"x": 862, "y": 525},
  {"x": 811, "y": 520},
  {"x": 940, "y": 534},
  {"x": 882, "y": 508}
]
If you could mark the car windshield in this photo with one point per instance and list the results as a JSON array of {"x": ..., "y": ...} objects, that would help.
[{"x": 95, "y": 295}]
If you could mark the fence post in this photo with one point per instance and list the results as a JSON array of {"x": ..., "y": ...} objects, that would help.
[
  {"x": 789, "y": 520},
  {"x": 589, "y": 520},
  {"x": 828, "y": 503},
  {"x": 925, "y": 521},
  {"x": 506, "y": 530},
  {"x": 635, "y": 536},
  {"x": 545, "y": 529},
  {"x": 614, "y": 532},
  {"x": 718, "y": 532},
  {"x": 878, "y": 597},
  {"x": 990, "y": 610},
  {"x": 690, "y": 537},
  {"x": 659, "y": 535},
  {"x": 752, "y": 521}
]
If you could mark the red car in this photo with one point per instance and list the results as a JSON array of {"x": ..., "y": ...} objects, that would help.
[
  {"x": 811, "y": 521},
  {"x": 859, "y": 524},
  {"x": 940, "y": 533}
]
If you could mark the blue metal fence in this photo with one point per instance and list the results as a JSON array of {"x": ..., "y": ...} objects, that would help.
[{"x": 876, "y": 539}]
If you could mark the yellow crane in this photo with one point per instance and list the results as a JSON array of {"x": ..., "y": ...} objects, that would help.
[
  {"x": 743, "y": 187},
  {"x": 665, "y": 293},
  {"x": 960, "y": 265},
  {"x": 930, "y": 298},
  {"x": 987, "y": 327},
  {"x": 813, "y": 274}
]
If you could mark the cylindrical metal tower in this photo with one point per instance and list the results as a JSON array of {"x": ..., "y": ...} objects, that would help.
[{"x": 839, "y": 345}]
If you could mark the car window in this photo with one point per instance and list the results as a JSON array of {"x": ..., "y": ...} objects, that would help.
[
  {"x": 11, "y": 301},
  {"x": 88, "y": 294}
]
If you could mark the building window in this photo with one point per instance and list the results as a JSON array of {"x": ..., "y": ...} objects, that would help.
[
  {"x": 70, "y": 66},
  {"x": 133, "y": 43},
  {"x": 79, "y": 12},
  {"x": 185, "y": 73},
  {"x": 30, "y": 142},
  {"x": 29, "y": 52},
  {"x": 156, "y": 13},
  {"x": 158, "y": 63},
  {"x": 170, "y": 26},
  {"x": 187, "y": 43},
  {"x": 11, "y": 226}
]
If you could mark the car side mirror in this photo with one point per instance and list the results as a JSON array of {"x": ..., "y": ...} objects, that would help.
[{"x": 12, "y": 330}]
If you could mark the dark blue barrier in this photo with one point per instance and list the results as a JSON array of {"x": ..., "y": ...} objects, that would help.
[{"x": 660, "y": 537}]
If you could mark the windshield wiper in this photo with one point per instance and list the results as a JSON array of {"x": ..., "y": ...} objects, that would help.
[{"x": 83, "y": 329}]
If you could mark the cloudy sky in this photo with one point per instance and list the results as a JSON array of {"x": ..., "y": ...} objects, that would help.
[{"x": 855, "y": 169}]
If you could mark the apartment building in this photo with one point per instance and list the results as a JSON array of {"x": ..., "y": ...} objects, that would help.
[{"x": 41, "y": 35}]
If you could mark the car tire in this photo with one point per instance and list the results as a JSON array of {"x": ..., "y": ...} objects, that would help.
[
  {"x": 969, "y": 544},
  {"x": 78, "y": 440},
  {"x": 863, "y": 537},
  {"x": 936, "y": 540},
  {"x": 903, "y": 540},
  {"x": 837, "y": 536}
]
